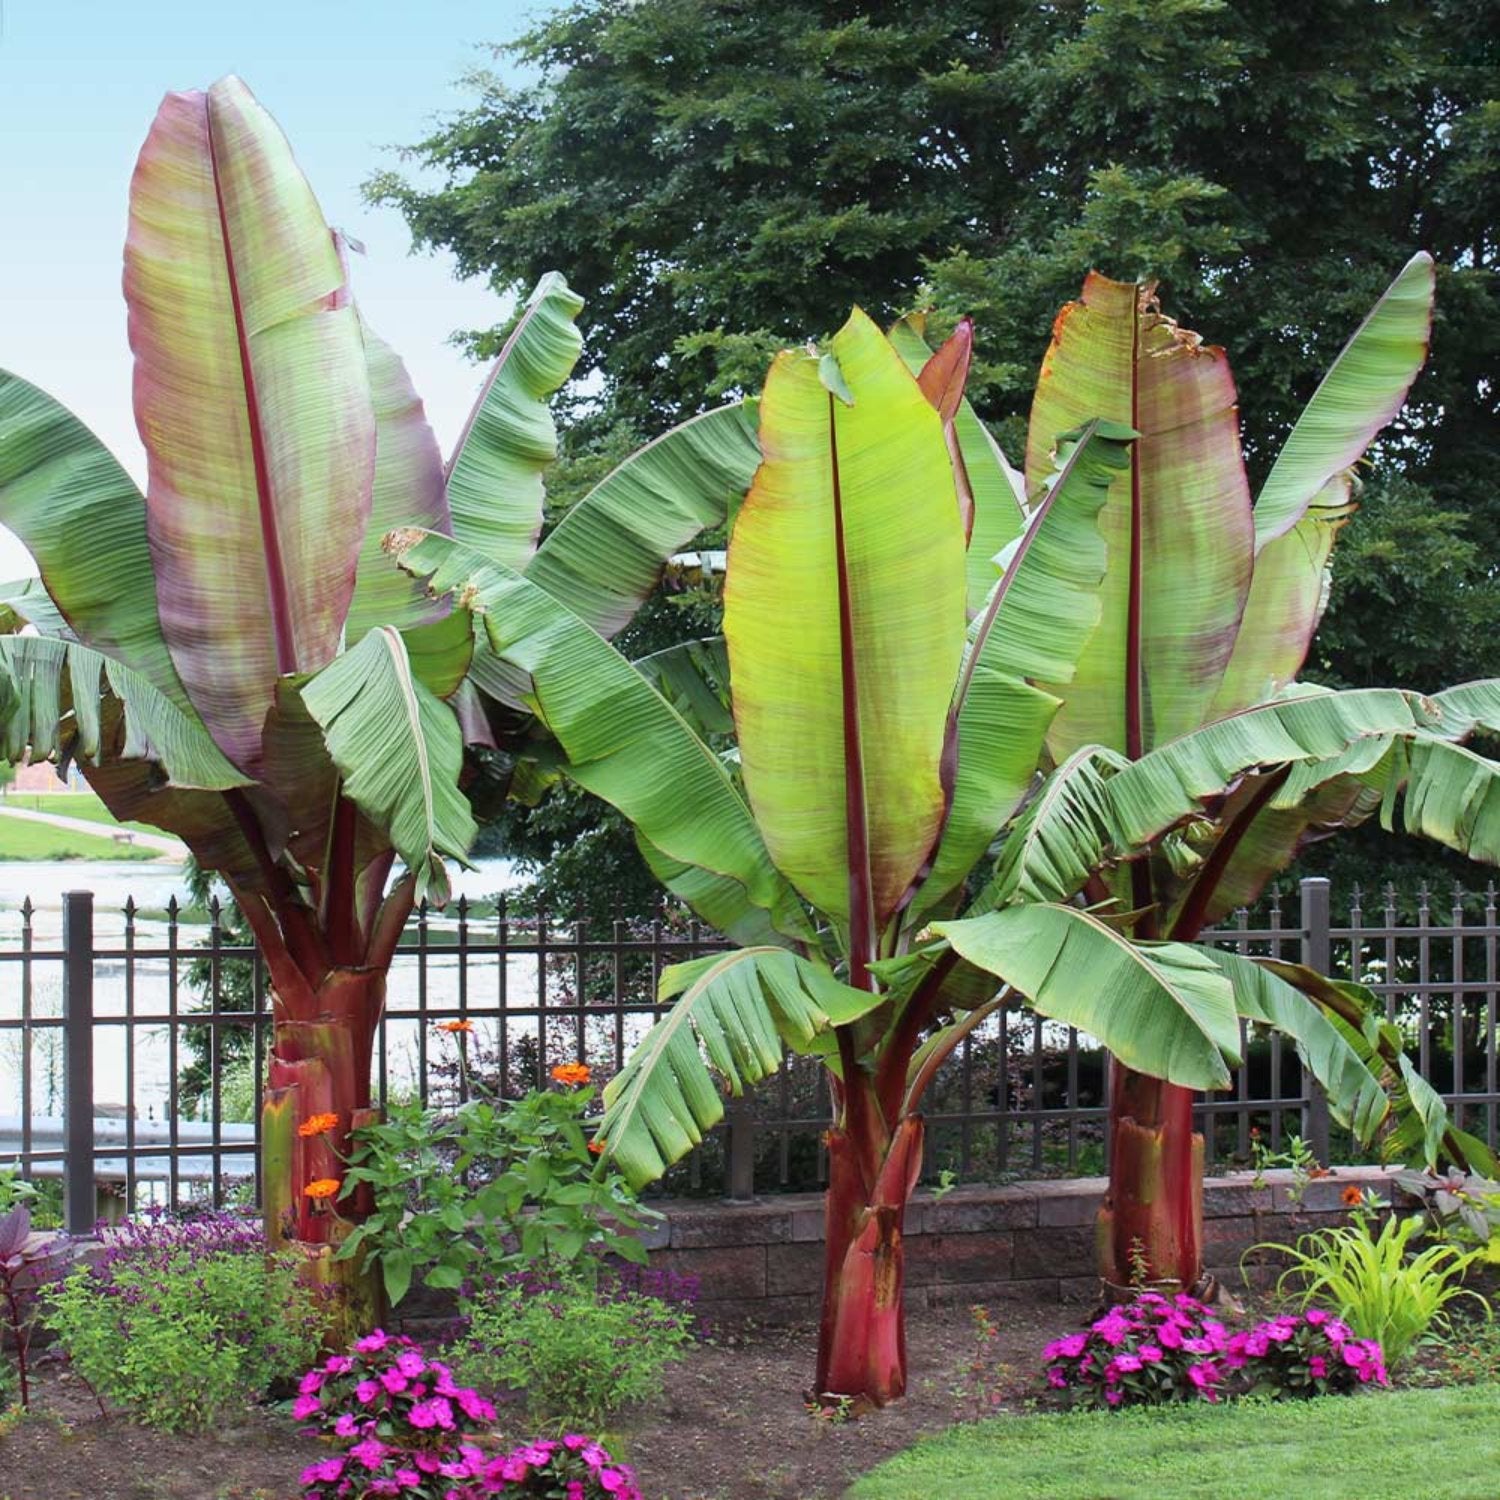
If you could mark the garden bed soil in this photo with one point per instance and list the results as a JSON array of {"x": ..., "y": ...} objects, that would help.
[{"x": 732, "y": 1424}]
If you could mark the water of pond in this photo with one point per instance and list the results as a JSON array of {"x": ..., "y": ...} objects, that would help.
[{"x": 152, "y": 886}]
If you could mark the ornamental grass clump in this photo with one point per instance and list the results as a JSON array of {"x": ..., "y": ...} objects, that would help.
[
  {"x": 180, "y": 1319},
  {"x": 1380, "y": 1289}
]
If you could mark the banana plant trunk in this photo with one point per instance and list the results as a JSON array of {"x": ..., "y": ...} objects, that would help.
[
  {"x": 862, "y": 1335},
  {"x": 1150, "y": 1226},
  {"x": 320, "y": 1066}
]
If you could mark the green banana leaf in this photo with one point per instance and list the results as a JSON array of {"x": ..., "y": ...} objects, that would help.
[
  {"x": 735, "y": 1008},
  {"x": 1165, "y": 1009}
]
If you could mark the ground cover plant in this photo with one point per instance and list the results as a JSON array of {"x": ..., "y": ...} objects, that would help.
[
  {"x": 177, "y": 1321},
  {"x": 1157, "y": 1350},
  {"x": 407, "y": 1428},
  {"x": 576, "y": 1352}
]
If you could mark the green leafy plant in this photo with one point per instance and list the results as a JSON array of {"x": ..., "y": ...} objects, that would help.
[
  {"x": 1377, "y": 1286},
  {"x": 1461, "y": 1207},
  {"x": 1298, "y": 1157},
  {"x": 490, "y": 1189},
  {"x": 577, "y": 1352},
  {"x": 15, "y": 1190},
  {"x": 178, "y": 1321}
]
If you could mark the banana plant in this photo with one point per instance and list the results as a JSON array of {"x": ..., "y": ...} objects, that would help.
[
  {"x": 1193, "y": 767},
  {"x": 886, "y": 726},
  {"x": 232, "y": 658}
]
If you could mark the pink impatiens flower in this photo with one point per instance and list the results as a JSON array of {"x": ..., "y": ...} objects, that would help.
[
  {"x": 323, "y": 1472},
  {"x": 369, "y": 1453}
]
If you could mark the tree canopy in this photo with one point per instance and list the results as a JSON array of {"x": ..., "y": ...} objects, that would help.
[{"x": 721, "y": 179}]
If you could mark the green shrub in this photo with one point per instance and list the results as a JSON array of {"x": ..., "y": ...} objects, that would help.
[
  {"x": 492, "y": 1189},
  {"x": 179, "y": 1320},
  {"x": 578, "y": 1353},
  {"x": 1377, "y": 1288}
]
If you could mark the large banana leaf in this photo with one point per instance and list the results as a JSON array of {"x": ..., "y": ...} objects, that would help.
[
  {"x": 623, "y": 741},
  {"x": 1288, "y": 594},
  {"x": 1452, "y": 795},
  {"x": 25, "y": 601},
  {"x": 55, "y": 692},
  {"x": 1165, "y": 1009},
  {"x": 495, "y": 474},
  {"x": 738, "y": 1008},
  {"x": 1470, "y": 706},
  {"x": 1178, "y": 523},
  {"x": 1421, "y": 1129},
  {"x": 844, "y": 615},
  {"x": 147, "y": 758},
  {"x": 1355, "y": 1095},
  {"x": 1036, "y": 622},
  {"x": 253, "y": 400},
  {"x": 1361, "y": 392},
  {"x": 726, "y": 906},
  {"x": 408, "y": 491},
  {"x": 997, "y": 491},
  {"x": 693, "y": 676},
  {"x": 607, "y": 553},
  {"x": 83, "y": 520},
  {"x": 399, "y": 753},
  {"x": 1346, "y": 752}
]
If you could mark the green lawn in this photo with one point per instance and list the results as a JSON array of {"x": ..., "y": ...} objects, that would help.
[
  {"x": 1437, "y": 1444},
  {"x": 22, "y": 840},
  {"x": 84, "y": 805}
]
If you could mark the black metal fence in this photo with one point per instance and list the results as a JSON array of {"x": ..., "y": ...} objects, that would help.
[{"x": 131, "y": 1043}]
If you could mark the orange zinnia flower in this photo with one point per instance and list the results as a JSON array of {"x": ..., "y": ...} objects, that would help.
[
  {"x": 1351, "y": 1196},
  {"x": 317, "y": 1125},
  {"x": 452, "y": 1027},
  {"x": 571, "y": 1073},
  {"x": 323, "y": 1187},
  {"x": 597, "y": 1147}
]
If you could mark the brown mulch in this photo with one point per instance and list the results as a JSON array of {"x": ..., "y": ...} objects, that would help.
[{"x": 732, "y": 1424}]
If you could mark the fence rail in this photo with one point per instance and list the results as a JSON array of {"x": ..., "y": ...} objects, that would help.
[{"x": 129, "y": 1061}]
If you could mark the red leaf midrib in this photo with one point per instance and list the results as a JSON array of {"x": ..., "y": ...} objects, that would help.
[
  {"x": 276, "y": 584},
  {"x": 856, "y": 822}
]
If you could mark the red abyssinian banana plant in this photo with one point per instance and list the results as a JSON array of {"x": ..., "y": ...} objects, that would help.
[
  {"x": 1193, "y": 766},
  {"x": 885, "y": 727},
  {"x": 231, "y": 657}
]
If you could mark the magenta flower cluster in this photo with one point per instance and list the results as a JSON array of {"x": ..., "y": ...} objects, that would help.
[
  {"x": 1158, "y": 1349},
  {"x": 405, "y": 1426}
]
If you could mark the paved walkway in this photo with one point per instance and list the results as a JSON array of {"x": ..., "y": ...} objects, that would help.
[{"x": 157, "y": 841}]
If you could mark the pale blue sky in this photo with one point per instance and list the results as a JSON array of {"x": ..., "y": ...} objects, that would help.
[{"x": 79, "y": 83}]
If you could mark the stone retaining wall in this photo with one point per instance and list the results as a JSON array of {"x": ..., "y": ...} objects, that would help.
[{"x": 1032, "y": 1240}]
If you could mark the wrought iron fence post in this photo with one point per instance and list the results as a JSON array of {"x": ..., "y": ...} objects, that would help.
[
  {"x": 1317, "y": 953},
  {"x": 739, "y": 1146},
  {"x": 80, "y": 1204}
]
